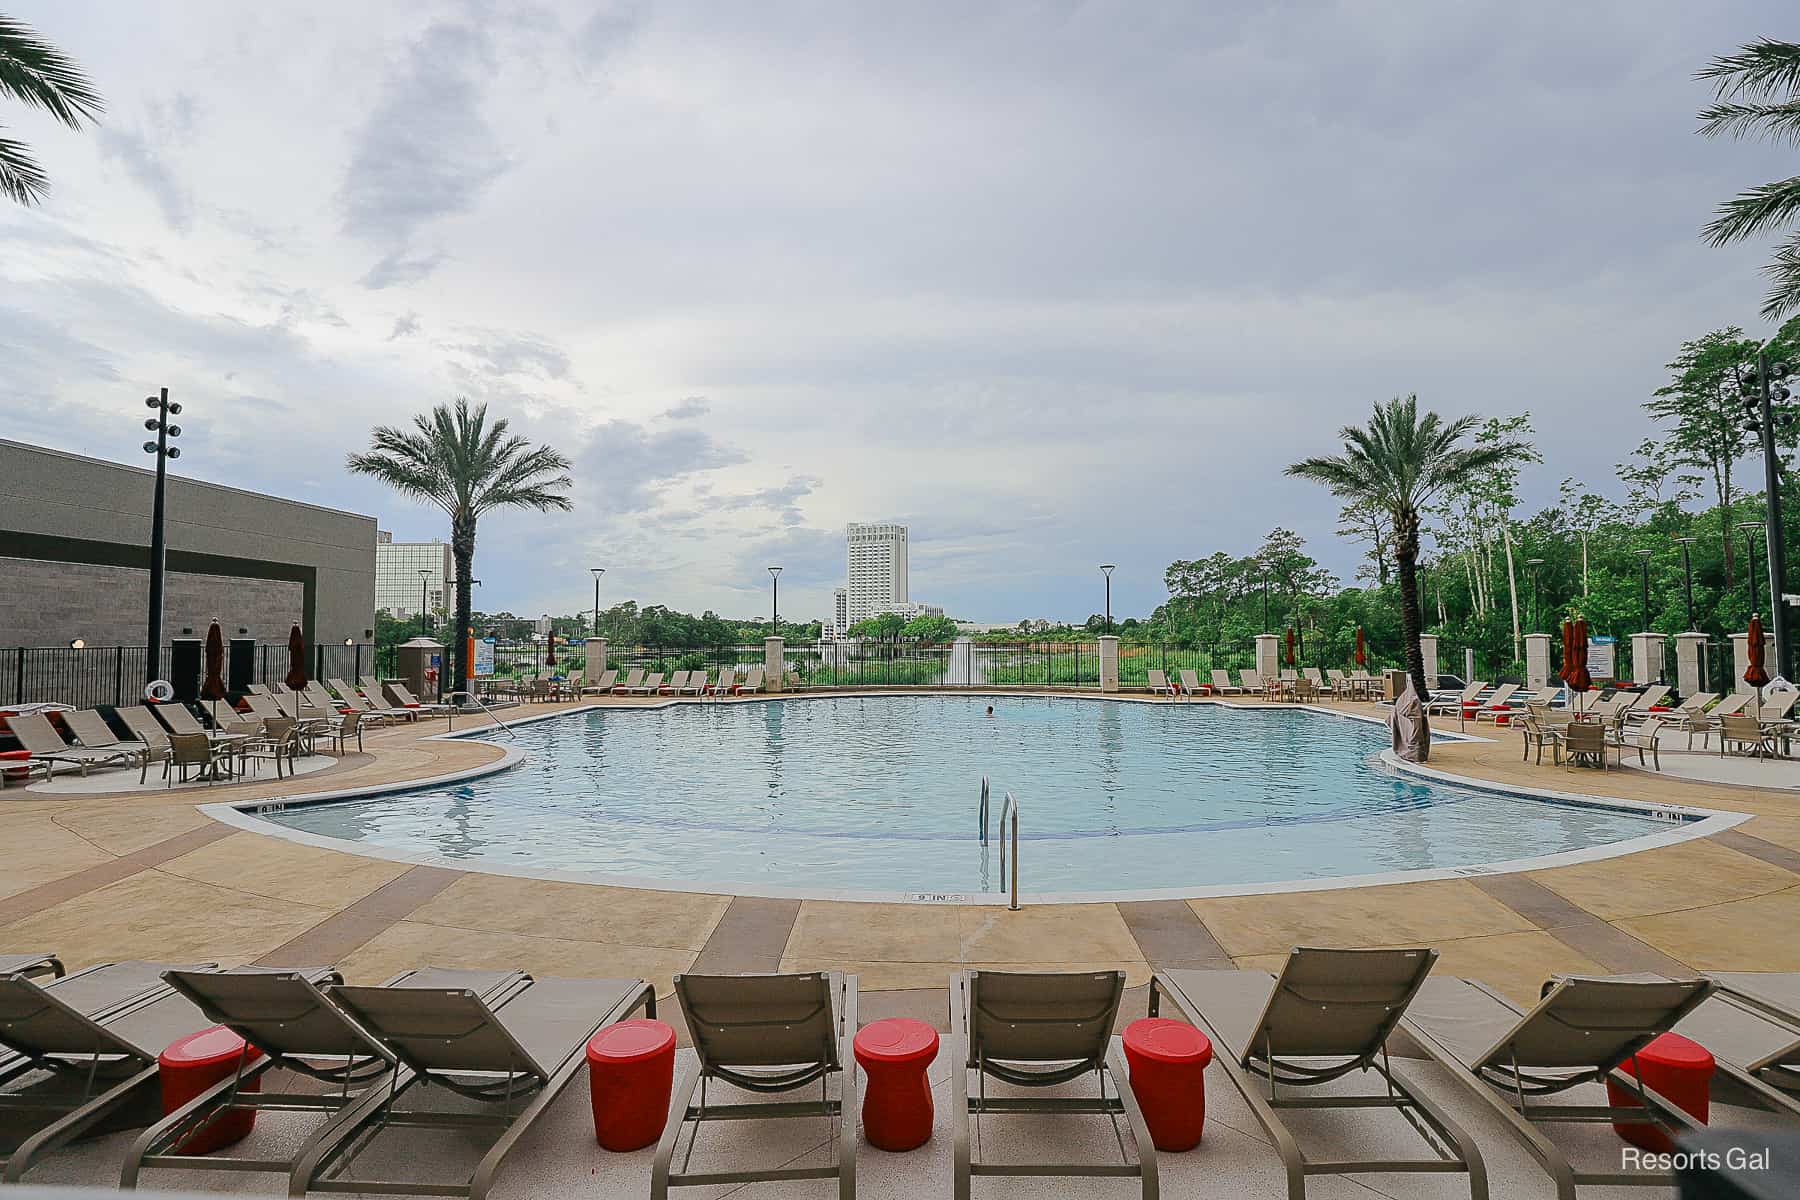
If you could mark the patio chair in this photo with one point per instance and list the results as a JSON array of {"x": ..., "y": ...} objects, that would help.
[
  {"x": 1745, "y": 735},
  {"x": 1640, "y": 739},
  {"x": 78, "y": 1054},
  {"x": 508, "y": 1061},
  {"x": 1221, "y": 682},
  {"x": 196, "y": 752},
  {"x": 91, "y": 729},
  {"x": 31, "y": 965},
  {"x": 1751, "y": 1024},
  {"x": 1676, "y": 716},
  {"x": 648, "y": 686},
  {"x": 150, "y": 732},
  {"x": 1330, "y": 1013},
  {"x": 751, "y": 682},
  {"x": 1583, "y": 1030},
  {"x": 1038, "y": 1030},
  {"x": 769, "y": 1035},
  {"x": 1453, "y": 703},
  {"x": 339, "y": 732},
  {"x": 290, "y": 1018},
  {"x": 1156, "y": 681},
  {"x": 45, "y": 745},
  {"x": 726, "y": 680},
  {"x": 1585, "y": 743},
  {"x": 633, "y": 679},
  {"x": 1191, "y": 685},
  {"x": 279, "y": 743},
  {"x": 1340, "y": 683},
  {"x": 602, "y": 685},
  {"x": 1321, "y": 686},
  {"x": 1539, "y": 732},
  {"x": 674, "y": 685},
  {"x": 696, "y": 683}
]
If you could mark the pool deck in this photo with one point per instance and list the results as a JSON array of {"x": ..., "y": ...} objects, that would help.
[{"x": 102, "y": 877}]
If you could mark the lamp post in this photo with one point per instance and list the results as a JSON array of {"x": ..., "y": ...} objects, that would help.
[
  {"x": 1107, "y": 569},
  {"x": 1265, "y": 583},
  {"x": 1750, "y": 528},
  {"x": 424, "y": 576},
  {"x": 159, "y": 425},
  {"x": 774, "y": 601},
  {"x": 1537, "y": 611},
  {"x": 1644, "y": 568},
  {"x": 1687, "y": 576},
  {"x": 598, "y": 572}
]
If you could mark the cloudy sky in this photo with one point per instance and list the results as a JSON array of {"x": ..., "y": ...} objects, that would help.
[{"x": 1054, "y": 284}]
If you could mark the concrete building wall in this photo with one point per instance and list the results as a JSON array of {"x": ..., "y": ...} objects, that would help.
[{"x": 237, "y": 555}]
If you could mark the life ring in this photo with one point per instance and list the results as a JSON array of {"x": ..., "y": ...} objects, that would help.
[{"x": 159, "y": 691}]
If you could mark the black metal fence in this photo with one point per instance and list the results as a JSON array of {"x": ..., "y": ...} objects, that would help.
[{"x": 115, "y": 675}]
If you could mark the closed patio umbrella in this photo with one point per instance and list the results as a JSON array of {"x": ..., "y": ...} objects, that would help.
[
  {"x": 1568, "y": 650},
  {"x": 214, "y": 686},
  {"x": 1362, "y": 653},
  {"x": 1579, "y": 680},
  {"x": 550, "y": 650},
  {"x": 1290, "y": 646},
  {"x": 1756, "y": 673},
  {"x": 296, "y": 676}
]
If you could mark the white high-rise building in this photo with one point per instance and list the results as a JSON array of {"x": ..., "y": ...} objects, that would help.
[
  {"x": 840, "y": 608},
  {"x": 876, "y": 570},
  {"x": 397, "y": 567}
]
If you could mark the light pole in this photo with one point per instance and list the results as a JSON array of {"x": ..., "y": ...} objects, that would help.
[
  {"x": 424, "y": 576},
  {"x": 1537, "y": 608},
  {"x": 774, "y": 601},
  {"x": 159, "y": 425},
  {"x": 1107, "y": 569},
  {"x": 1644, "y": 567},
  {"x": 1265, "y": 582},
  {"x": 1750, "y": 528},
  {"x": 598, "y": 572},
  {"x": 1687, "y": 578}
]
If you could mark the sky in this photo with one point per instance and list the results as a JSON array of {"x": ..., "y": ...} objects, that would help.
[{"x": 1053, "y": 284}]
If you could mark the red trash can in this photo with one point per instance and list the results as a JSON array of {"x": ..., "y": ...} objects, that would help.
[
  {"x": 893, "y": 1053},
  {"x": 194, "y": 1064},
  {"x": 1167, "y": 1060},
  {"x": 1676, "y": 1068},
  {"x": 631, "y": 1071}
]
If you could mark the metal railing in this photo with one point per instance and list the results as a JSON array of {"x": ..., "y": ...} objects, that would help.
[
  {"x": 114, "y": 675},
  {"x": 1010, "y": 807},
  {"x": 984, "y": 810}
]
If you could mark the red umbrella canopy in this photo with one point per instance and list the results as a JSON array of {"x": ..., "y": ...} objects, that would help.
[
  {"x": 296, "y": 676},
  {"x": 1568, "y": 651},
  {"x": 550, "y": 650},
  {"x": 1362, "y": 653},
  {"x": 1756, "y": 674},
  {"x": 1290, "y": 646},
  {"x": 1579, "y": 679},
  {"x": 214, "y": 687}
]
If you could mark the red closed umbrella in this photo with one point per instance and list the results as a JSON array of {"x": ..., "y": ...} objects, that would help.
[
  {"x": 550, "y": 650},
  {"x": 296, "y": 676},
  {"x": 1756, "y": 673},
  {"x": 214, "y": 686},
  {"x": 1362, "y": 653},
  {"x": 1568, "y": 650},
  {"x": 1579, "y": 679},
  {"x": 1290, "y": 646}
]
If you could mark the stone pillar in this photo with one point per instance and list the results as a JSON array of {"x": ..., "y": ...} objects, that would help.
[
  {"x": 1646, "y": 657},
  {"x": 595, "y": 649},
  {"x": 1109, "y": 663},
  {"x": 774, "y": 664},
  {"x": 1537, "y": 661},
  {"x": 961, "y": 671},
  {"x": 1740, "y": 659},
  {"x": 1428, "y": 650},
  {"x": 1689, "y": 678},
  {"x": 1468, "y": 664},
  {"x": 1268, "y": 656}
]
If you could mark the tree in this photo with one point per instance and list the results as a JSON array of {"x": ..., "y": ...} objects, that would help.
[
  {"x": 1363, "y": 522},
  {"x": 454, "y": 459},
  {"x": 929, "y": 629},
  {"x": 1401, "y": 461},
  {"x": 1757, "y": 92},
  {"x": 38, "y": 74},
  {"x": 1702, "y": 404},
  {"x": 883, "y": 627}
]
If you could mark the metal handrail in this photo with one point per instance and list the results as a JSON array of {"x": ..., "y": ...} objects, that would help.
[
  {"x": 984, "y": 810},
  {"x": 476, "y": 701},
  {"x": 1010, "y": 806}
]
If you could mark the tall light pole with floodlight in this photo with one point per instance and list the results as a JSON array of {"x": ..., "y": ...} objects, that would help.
[
  {"x": 774, "y": 601},
  {"x": 1107, "y": 569}
]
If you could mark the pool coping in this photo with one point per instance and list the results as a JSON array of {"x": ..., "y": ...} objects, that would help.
[{"x": 1686, "y": 823}]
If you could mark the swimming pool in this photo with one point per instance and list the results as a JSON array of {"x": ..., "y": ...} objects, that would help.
[{"x": 880, "y": 793}]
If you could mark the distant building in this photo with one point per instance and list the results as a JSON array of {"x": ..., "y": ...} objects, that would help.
[
  {"x": 397, "y": 567},
  {"x": 840, "y": 598},
  {"x": 875, "y": 558}
]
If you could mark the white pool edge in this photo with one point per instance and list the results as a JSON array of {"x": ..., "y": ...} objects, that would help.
[{"x": 1687, "y": 823}]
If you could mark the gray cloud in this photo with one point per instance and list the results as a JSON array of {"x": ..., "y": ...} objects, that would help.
[
  {"x": 405, "y": 325},
  {"x": 144, "y": 152},
  {"x": 500, "y": 353},
  {"x": 689, "y": 409},
  {"x": 626, "y": 465}
]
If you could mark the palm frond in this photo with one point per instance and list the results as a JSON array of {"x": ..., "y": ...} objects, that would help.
[
  {"x": 21, "y": 179},
  {"x": 1761, "y": 68},
  {"x": 1751, "y": 212},
  {"x": 36, "y": 73},
  {"x": 1779, "y": 121},
  {"x": 1784, "y": 276}
]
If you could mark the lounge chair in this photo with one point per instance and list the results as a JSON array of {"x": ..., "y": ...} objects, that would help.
[
  {"x": 1221, "y": 682},
  {"x": 1776, "y": 707},
  {"x": 633, "y": 680},
  {"x": 1454, "y": 703},
  {"x": 751, "y": 682},
  {"x": 46, "y": 746},
  {"x": 1498, "y": 705},
  {"x": 80, "y": 1052},
  {"x": 377, "y": 701},
  {"x": 724, "y": 683},
  {"x": 1582, "y": 1031},
  {"x": 1705, "y": 722},
  {"x": 1751, "y": 1024},
  {"x": 1191, "y": 685},
  {"x": 1321, "y": 686},
  {"x": 695, "y": 685},
  {"x": 1253, "y": 683},
  {"x": 602, "y": 685},
  {"x": 408, "y": 700},
  {"x": 298, "y": 1027},
  {"x": 766, "y": 1034},
  {"x": 91, "y": 729},
  {"x": 257, "y": 689},
  {"x": 318, "y": 697},
  {"x": 1644, "y": 701},
  {"x": 649, "y": 686},
  {"x": 1156, "y": 681},
  {"x": 1034, "y": 1030},
  {"x": 355, "y": 701},
  {"x": 1676, "y": 715},
  {"x": 675, "y": 684},
  {"x": 1328, "y": 1014},
  {"x": 31, "y": 965},
  {"x": 509, "y": 1060},
  {"x": 149, "y": 731}
]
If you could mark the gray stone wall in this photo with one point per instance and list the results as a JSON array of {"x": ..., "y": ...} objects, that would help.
[{"x": 48, "y": 603}]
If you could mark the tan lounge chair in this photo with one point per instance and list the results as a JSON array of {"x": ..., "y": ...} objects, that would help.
[
  {"x": 633, "y": 680},
  {"x": 1191, "y": 685},
  {"x": 40, "y": 739},
  {"x": 695, "y": 685},
  {"x": 1253, "y": 682},
  {"x": 1156, "y": 681},
  {"x": 751, "y": 682},
  {"x": 95, "y": 734},
  {"x": 724, "y": 683},
  {"x": 1705, "y": 722},
  {"x": 1517, "y": 1064},
  {"x": 766, "y": 1034},
  {"x": 354, "y": 700},
  {"x": 1453, "y": 705},
  {"x": 651, "y": 684},
  {"x": 32, "y": 966},
  {"x": 675, "y": 684},
  {"x": 1037, "y": 1030},
  {"x": 408, "y": 700},
  {"x": 1328, "y": 1014},
  {"x": 376, "y": 695},
  {"x": 1497, "y": 705},
  {"x": 603, "y": 685},
  {"x": 1221, "y": 681}
]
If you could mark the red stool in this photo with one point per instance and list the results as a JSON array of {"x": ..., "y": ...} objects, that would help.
[
  {"x": 1168, "y": 1061},
  {"x": 1674, "y": 1067},
  {"x": 631, "y": 1070},
  {"x": 893, "y": 1054},
  {"x": 19, "y": 756},
  {"x": 194, "y": 1064}
]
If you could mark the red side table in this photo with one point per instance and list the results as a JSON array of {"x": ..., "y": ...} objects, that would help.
[
  {"x": 194, "y": 1064},
  {"x": 1674, "y": 1067},
  {"x": 893, "y": 1054},
  {"x": 631, "y": 1071},
  {"x": 1167, "y": 1060}
]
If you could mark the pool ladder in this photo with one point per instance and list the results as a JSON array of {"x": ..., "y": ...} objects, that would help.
[{"x": 1009, "y": 808}]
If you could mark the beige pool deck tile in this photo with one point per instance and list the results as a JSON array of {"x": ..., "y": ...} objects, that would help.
[
  {"x": 906, "y": 933},
  {"x": 1664, "y": 880},
  {"x": 1389, "y": 915},
  {"x": 164, "y": 917},
  {"x": 1080, "y": 932},
  {"x": 284, "y": 870},
  {"x": 129, "y": 824},
  {"x": 38, "y": 850},
  {"x": 546, "y": 908},
  {"x": 874, "y": 976},
  {"x": 409, "y": 944},
  {"x": 1753, "y": 934},
  {"x": 1783, "y": 830}
]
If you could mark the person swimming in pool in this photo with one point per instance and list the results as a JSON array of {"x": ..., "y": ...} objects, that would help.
[{"x": 990, "y": 711}]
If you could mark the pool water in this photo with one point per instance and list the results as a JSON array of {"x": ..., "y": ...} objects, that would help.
[{"x": 882, "y": 793}]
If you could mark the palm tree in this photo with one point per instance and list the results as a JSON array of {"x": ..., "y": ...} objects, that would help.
[
  {"x": 37, "y": 73},
  {"x": 457, "y": 461},
  {"x": 1400, "y": 462},
  {"x": 1758, "y": 92}
]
